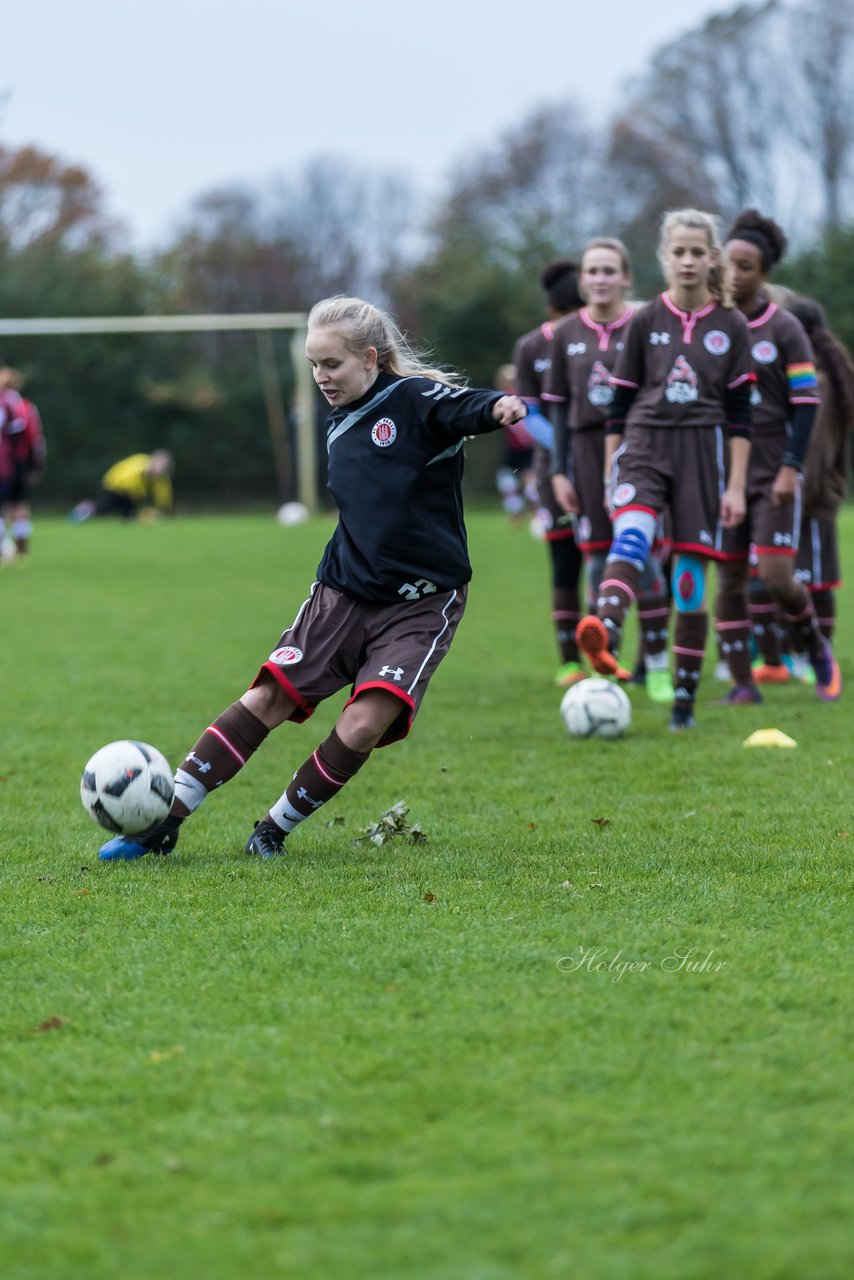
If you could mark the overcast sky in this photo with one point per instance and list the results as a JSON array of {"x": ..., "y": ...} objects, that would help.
[{"x": 164, "y": 99}]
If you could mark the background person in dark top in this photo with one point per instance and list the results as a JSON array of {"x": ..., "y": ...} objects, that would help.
[{"x": 391, "y": 585}]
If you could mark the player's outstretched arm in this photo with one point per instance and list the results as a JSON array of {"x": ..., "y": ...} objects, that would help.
[{"x": 509, "y": 409}]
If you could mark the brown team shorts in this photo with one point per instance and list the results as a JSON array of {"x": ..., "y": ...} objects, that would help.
[
  {"x": 767, "y": 530},
  {"x": 679, "y": 468},
  {"x": 336, "y": 641}
]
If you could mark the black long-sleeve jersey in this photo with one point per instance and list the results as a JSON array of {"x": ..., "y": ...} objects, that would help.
[{"x": 395, "y": 472}]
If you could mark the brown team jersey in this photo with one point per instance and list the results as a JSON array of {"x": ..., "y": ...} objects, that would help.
[
  {"x": 583, "y": 356},
  {"x": 532, "y": 356},
  {"x": 785, "y": 371},
  {"x": 682, "y": 363}
]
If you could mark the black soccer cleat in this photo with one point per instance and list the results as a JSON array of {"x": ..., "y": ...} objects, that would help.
[
  {"x": 682, "y": 717},
  {"x": 161, "y": 838},
  {"x": 266, "y": 841}
]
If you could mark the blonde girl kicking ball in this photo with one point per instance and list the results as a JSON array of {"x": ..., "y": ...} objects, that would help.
[{"x": 389, "y": 591}]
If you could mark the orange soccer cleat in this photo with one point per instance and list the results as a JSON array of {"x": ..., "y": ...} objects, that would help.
[
  {"x": 766, "y": 673},
  {"x": 592, "y": 638}
]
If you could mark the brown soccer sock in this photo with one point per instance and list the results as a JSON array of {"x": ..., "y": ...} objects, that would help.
[
  {"x": 617, "y": 592},
  {"x": 732, "y": 625},
  {"x": 653, "y": 622},
  {"x": 689, "y": 647},
  {"x": 219, "y": 754},
  {"x": 763, "y": 611},
  {"x": 566, "y": 614},
  {"x": 317, "y": 780},
  {"x": 804, "y": 626},
  {"x": 824, "y": 604}
]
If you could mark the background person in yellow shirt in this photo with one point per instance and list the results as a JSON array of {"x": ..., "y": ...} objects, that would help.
[{"x": 140, "y": 485}]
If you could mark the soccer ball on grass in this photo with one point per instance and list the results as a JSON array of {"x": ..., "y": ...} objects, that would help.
[
  {"x": 292, "y": 513},
  {"x": 596, "y": 708},
  {"x": 127, "y": 787}
]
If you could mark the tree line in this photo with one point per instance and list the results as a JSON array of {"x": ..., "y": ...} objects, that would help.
[{"x": 753, "y": 107}]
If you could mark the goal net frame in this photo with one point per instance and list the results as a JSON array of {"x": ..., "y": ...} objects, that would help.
[{"x": 263, "y": 324}]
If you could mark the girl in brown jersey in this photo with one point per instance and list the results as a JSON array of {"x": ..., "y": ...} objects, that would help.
[
  {"x": 826, "y": 465},
  {"x": 785, "y": 399},
  {"x": 677, "y": 438},
  {"x": 532, "y": 356},
  {"x": 579, "y": 394}
]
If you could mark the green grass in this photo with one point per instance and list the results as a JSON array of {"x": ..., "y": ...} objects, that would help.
[{"x": 367, "y": 1062}]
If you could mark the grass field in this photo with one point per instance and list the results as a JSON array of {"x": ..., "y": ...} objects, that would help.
[{"x": 412, "y": 1060}]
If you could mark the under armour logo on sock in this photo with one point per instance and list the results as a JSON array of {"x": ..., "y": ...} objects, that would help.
[
  {"x": 302, "y": 794},
  {"x": 203, "y": 766}
]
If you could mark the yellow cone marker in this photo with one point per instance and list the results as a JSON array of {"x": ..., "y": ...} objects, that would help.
[{"x": 769, "y": 738}]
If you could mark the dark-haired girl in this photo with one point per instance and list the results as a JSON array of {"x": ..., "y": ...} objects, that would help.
[
  {"x": 826, "y": 465},
  {"x": 532, "y": 357},
  {"x": 785, "y": 398}
]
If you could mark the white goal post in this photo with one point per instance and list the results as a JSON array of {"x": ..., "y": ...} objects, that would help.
[{"x": 263, "y": 324}]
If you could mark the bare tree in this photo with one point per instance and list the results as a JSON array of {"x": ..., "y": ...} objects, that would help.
[
  {"x": 539, "y": 188},
  {"x": 824, "y": 32},
  {"x": 702, "y": 119}
]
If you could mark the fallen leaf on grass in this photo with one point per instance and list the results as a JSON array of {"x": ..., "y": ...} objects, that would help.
[
  {"x": 429, "y": 897},
  {"x": 532, "y": 826},
  {"x": 52, "y": 1024},
  {"x": 393, "y": 823},
  {"x": 104, "y": 1158},
  {"x": 84, "y": 893},
  {"x": 601, "y": 822}
]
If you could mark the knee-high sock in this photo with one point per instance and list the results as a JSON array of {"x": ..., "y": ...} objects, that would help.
[
  {"x": 617, "y": 590},
  {"x": 732, "y": 625},
  {"x": 566, "y": 614},
  {"x": 824, "y": 603},
  {"x": 219, "y": 754},
  {"x": 689, "y": 647},
  {"x": 317, "y": 780},
  {"x": 764, "y": 613},
  {"x": 797, "y": 607},
  {"x": 566, "y": 611},
  {"x": 653, "y": 623}
]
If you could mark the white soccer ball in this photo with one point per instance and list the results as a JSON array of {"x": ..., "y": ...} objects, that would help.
[
  {"x": 127, "y": 787},
  {"x": 291, "y": 513},
  {"x": 596, "y": 708}
]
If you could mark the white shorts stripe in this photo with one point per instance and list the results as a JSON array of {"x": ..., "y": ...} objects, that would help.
[{"x": 436, "y": 640}]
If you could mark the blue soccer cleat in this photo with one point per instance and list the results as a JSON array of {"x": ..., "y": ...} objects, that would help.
[{"x": 159, "y": 839}]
